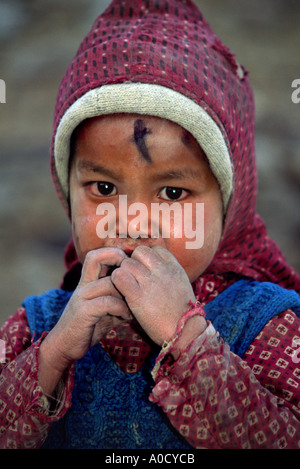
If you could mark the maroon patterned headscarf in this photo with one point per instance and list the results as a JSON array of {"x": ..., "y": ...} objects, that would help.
[{"x": 169, "y": 44}]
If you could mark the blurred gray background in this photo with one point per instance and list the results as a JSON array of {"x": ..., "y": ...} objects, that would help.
[{"x": 38, "y": 39}]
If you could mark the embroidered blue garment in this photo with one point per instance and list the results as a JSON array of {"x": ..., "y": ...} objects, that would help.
[{"x": 110, "y": 408}]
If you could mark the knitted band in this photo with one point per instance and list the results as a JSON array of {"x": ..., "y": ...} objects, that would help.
[{"x": 147, "y": 99}]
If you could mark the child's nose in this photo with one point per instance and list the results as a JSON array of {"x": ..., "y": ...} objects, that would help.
[{"x": 135, "y": 222}]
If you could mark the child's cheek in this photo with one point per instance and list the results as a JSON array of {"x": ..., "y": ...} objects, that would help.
[
  {"x": 195, "y": 250},
  {"x": 185, "y": 222},
  {"x": 84, "y": 231}
]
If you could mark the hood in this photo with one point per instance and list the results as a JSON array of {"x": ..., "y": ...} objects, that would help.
[{"x": 162, "y": 58}]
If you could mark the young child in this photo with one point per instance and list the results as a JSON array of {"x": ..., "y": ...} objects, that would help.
[{"x": 151, "y": 342}]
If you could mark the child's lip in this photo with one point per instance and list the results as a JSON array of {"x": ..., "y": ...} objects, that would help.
[
  {"x": 129, "y": 247},
  {"x": 128, "y": 250}
]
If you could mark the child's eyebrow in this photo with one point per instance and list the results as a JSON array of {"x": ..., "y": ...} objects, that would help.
[
  {"x": 92, "y": 167},
  {"x": 183, "y": 173}
]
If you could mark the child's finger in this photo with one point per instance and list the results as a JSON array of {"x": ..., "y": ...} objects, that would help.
[
  {"x": 152, "y": 257},
  {"x": 100, "y": 287},
  {"x": 145, "y": 256},
  {"x": 125, "y": 282},
  {"x": 135, "y": 267},
  {"x": 110, "y": 305},
  {"x": 164, "y": 254},
  {"x": 94, "y": 261}
]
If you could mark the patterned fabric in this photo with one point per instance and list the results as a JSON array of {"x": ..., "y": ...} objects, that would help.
[
  {"x": 266, "y": 419},
  {"x": 216, "y": 402},
  {"x": 273, "y": 357},
  {"x": 244, "y": 308},
  {"x": 25, "y": 411},
  {"x": 169, "y": 43},
  {"x": 101, "y": 389},
  {"x": 211, "y": 396}
]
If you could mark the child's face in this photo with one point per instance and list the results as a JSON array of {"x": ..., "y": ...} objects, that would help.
[{"x": 151, "y": 161}]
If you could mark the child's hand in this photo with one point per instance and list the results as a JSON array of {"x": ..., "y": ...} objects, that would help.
[
  {"x": 94, "y": 308},
  {"x": 157, "y": 291}
]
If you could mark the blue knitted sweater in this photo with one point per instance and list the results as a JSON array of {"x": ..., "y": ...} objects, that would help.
[{"x": 110, "y": 408}]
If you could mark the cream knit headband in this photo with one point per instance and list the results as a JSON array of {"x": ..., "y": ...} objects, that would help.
[{"x": 154, "y": 100}]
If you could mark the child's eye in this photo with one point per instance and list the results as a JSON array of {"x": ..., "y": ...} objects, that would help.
[
  {"x": 103, "y": 188},
  {"x": 172, "y": 193}
]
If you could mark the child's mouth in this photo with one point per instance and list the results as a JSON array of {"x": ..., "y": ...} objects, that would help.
[{"x": 110, "y": 270}]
